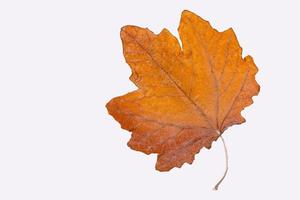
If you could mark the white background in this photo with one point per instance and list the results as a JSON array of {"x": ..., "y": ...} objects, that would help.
[{"x": 61, "y": 62}]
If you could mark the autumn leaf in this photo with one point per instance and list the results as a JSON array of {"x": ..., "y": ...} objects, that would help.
[{"x": 186, "y": 97}]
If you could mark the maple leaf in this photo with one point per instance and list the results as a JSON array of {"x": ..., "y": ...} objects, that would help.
[{"x": 186, "y": 97}]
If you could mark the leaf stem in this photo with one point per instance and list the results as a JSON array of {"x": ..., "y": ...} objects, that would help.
[{"x": 226, "y": 164}]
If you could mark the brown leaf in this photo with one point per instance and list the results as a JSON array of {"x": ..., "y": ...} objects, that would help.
[{"x": 187, "y": 96}]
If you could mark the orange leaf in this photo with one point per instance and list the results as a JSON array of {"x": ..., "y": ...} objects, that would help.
[{"x": 186, "y": 97}]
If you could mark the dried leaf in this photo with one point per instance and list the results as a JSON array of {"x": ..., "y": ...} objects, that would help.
[{"x": 186, "y": 97}]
